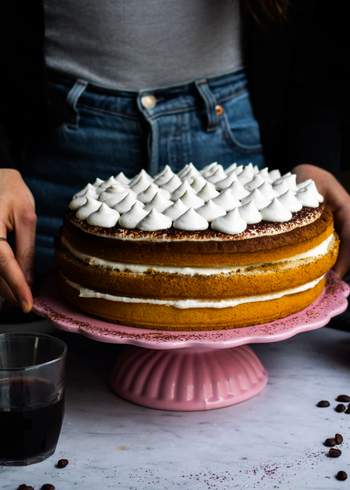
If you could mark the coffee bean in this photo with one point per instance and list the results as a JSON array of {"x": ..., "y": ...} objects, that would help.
[
  {"x": 323, "y": 404},
  {"x": 62, "y": 463},
  {"x": 338, "y": 438},
  {"x": 334, "y": 452},
  {"x": 340, "y": 408},
  {"x": 48, "y": 486},
  {"x": 330, "y": 442},
  {"x": 348, "y": 409},
  {"x": 341, "y": 475},
  {"x": 343, "y": 398}
]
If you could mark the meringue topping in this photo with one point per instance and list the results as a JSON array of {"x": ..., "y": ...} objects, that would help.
[
  {"x": 258, "y": 198},
  {"x": 226, "y": 200},
  {"x": 148, "y": 194},
  {"x": 191, "y": 221},
  {"x": 180, "y": 191},
  {"x": 276, "y": 212},
  {"x": 104, "y": 217},
  {"x": 164, "y": 176},
  {"x": 238, "y": 190},
  {"x": 289, "y": 201},
  {"x": 210, "y": 211},
  {"x": 176, "y": 210},
  {"x": 122, "y": 179},
  {"x": 153, "y": 221},
  {"x": 159, "y": 202},
  {"x": 250, "y": 213},
  {"x": 208, "y": 192},
  {"x": 172, "y": 184},
  {"x": 77, "y": 202},
  {"x": 131, "y": 218},
  {"x": 125, "y": 204},
  {"x": 231, "y": 223},
  {"x": 91, "y": 205},
  {"x": 191, "y": 200}
]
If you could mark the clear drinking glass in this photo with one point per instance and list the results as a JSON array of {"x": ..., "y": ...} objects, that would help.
[{"x": 31, "y": 396}]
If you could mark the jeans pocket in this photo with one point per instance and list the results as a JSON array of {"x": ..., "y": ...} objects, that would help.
[{"x": 239, "y": 125}]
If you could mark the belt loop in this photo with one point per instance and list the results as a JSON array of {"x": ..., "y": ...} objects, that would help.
[
  {"x": 210, "y": 103},
  {"x": 72, "y": 101}
]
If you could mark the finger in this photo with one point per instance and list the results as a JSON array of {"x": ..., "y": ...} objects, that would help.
[
  {"x": 12, "y": 274},
  {"x": 25, "y": 226},
  {"x": 6, "y": 293}
]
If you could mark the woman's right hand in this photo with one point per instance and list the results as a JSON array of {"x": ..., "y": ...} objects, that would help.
[{"x": 17, "y": 214}]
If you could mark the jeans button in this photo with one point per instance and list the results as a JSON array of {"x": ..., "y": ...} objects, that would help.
[
  {"x": 219, "y": 110},
  {"x": 148, "y": 101}
]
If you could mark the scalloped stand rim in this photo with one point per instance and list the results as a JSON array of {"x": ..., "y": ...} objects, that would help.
[{"x": 189, "y": 371}]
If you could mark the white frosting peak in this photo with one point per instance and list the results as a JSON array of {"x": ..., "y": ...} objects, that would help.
[
  {"x": 172, "y": 184},
  {"x": 164, "y": 176},
  {"x": 217, "y": 175},
  {"x": 250, "y": 213},
  {"x": 230, "y": 168},
  {"x": 125, "y": 204},
  {"x": 107, "y": 183},
  {"x": 290, "y": 202},
  {"x": 112, "y": 198},
  {"x": 104, "y": 217},
  {"x": 208, "y": 192},
  {"x": 258, "y": 198},
  {"x": 238, "y": 190},
  {"x": 226, "y": 182},
  {"x": 247, "y": 174},
  {"x": 276, "y": 212},
  {"x": 191, "y": 200},
  {"x": 77, "y": 202},
  {"x": 131, "y": 218},
  {"x": 159, "y": 202},
  {"x": 91, "y": 205},
  {"x": 226, "y": 200},
  {"x": 232, "y": 223},
  {"x": 153, "y": 221},
  {"x": 210, "y": 211},
  {"x": 256, "y": 181},
  {"x": 308, "y": 196},
  {"x": 140, "y": 183},
  {"x": 148, "y": 194},
  {"x": 198, "y": 183},
  {"x": 191, "y": 221},
  {"x": 180, "y": 191},
  {"x": 176, "y": 209},
  {"x": 89, "y": 190},
  {"x": 274, "y": 175},
  {"x": 122, "y": 179}
]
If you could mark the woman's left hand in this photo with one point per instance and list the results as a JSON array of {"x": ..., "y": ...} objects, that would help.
[{"x": 338, "y": 199}]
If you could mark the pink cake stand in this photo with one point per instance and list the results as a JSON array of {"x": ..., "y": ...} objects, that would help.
[{"x": 190, "y": 370}]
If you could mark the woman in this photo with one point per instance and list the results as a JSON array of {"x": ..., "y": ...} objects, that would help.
[{"x": 89, "y": 90}]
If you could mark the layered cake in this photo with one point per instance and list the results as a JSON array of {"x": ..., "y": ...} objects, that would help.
[{"x": 196, "y": 250}]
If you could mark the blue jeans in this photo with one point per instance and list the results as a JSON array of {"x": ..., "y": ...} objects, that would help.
[{"x": 103, "y": 132}]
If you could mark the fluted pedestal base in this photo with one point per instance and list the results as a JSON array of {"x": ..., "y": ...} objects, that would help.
[{"x": 188, "y": 379}]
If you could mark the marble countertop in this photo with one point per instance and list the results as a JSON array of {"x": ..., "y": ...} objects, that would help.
[{"x": 273, "y": 441}]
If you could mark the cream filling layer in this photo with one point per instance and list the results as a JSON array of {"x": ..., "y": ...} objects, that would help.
[
  {"x": 319, "y": 250},
  {"x": 193, "y": 303}
]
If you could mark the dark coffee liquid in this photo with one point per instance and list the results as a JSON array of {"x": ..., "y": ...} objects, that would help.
[{"x": 28, "y": 432}]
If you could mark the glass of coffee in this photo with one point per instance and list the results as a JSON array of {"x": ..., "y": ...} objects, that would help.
[{"x": 31, "y": 396}]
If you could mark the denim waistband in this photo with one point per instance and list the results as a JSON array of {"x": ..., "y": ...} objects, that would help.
[
  {"x": 183, "y": 89},
  {"x": 203, "y": 94}
]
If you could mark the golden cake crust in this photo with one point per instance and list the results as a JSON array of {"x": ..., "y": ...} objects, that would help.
[
  {"x": 169, "y": 318},
  {"x": 201, "y": 252}
]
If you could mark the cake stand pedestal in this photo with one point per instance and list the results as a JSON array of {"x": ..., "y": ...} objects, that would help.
[{"x": 190, "y": 370}]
